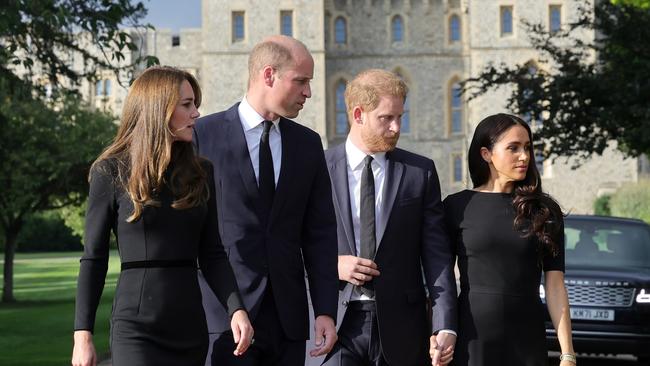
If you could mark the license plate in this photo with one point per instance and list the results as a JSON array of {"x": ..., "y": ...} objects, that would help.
[{"x": 592, "y": 314}]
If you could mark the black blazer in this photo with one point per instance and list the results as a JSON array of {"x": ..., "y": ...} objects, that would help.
[
  {"x": 411, "y": 237},
  {"x": 299, "y": 234}
]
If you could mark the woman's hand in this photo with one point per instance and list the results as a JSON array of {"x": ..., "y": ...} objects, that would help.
[
  {"x": 242, "y": 331},
  {"x": 83, "y": 352}
]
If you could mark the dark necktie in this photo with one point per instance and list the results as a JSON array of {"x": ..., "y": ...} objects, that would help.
[
  {"x": 367, "y": 235},
  {"x": 266, "y": 173}
]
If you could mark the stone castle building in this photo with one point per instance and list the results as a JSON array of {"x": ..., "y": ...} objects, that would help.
[{"x": 432, "y": 44}]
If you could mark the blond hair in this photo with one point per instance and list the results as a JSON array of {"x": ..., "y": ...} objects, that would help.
[
  {"x": 144, "y": 146},
  {"x": 367, "y": 87},
  {"x": 275, "y": 51}
]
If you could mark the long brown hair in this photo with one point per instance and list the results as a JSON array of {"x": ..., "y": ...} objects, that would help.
[
  {"x": 144, "y": 147},
  {"x": 537, "y": 213}
]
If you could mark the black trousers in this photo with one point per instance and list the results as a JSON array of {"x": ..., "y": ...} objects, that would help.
[
  {"x": 271, "y": 346},
  {"x": 358, "y": 343}
]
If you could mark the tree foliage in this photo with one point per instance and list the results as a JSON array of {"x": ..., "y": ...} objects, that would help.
[
  {"x": 590, "y": 90},
  {"x": 632, "y": 200},
  {"x": 44, "y": 37},
  {"x": 49, "y": 139},
  {"x": 45, "y": 158}
]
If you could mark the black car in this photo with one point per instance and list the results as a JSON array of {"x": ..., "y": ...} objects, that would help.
[{"x": 608, "y": 280}]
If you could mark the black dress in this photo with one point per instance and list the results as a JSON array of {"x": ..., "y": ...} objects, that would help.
[
  {"x": 501, "y": 316},
  {"x": 157, "y": 316}
]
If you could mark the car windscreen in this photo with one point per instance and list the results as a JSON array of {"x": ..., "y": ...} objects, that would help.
[{"x": 606, "y": 243}]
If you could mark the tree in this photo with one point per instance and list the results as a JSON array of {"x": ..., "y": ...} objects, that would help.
[
  {"x": 44, "y": 160},
  {"x": 41, "y": 35},
  {"x": 593, "y": 91},
  {"x": 50, "y": 139}
]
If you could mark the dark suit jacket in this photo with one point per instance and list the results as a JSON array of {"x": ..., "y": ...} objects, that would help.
[
  {"x": 299, "y": 234},
  {"x": 411, "y": 237}
]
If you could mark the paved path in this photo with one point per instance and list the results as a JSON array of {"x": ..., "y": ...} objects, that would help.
[{"x": 585, "y": 360}]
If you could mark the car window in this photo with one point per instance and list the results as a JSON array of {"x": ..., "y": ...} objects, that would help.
[{"x": 607, "y": 244}]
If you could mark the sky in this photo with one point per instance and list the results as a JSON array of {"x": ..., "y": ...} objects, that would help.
[{"x": 173, "y": 14}]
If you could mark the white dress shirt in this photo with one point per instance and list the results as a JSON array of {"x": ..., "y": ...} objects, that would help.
[
  {"x": 251, "y": 122},
  {"x": 355, "y": 167}
]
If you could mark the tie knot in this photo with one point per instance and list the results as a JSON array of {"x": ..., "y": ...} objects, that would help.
[
  {"x": 267, "y": 126},
  {"x": 367, "y": 160}
]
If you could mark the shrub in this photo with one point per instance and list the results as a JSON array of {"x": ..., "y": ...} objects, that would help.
[
  {"x": 632, "y": 200},
  {"x": 602, "y": 205},
  {"x": 47, "y": 231}
]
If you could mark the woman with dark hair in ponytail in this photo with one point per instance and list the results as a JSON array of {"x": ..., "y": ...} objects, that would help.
[{"x": 506, "y": 231}]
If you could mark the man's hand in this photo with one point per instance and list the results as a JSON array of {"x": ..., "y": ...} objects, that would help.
[
  {"x": 356, "y": 270},
  {"x": 441, "y": 348},
  {"x": 242, "y": 331},
  {"x": 325, "y": 335}
]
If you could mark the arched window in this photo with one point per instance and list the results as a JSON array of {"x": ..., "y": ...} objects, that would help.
[
  {"x": 341, "y": 127},
  {"x": 397, "y": 28},
  {"x": 455, "y": 108},
  {"x": 454, "y": 28},
  {"x": 340, "y": 31}
]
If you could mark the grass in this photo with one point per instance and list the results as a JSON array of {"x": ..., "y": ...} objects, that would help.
[{"x": 37, "y": 329}]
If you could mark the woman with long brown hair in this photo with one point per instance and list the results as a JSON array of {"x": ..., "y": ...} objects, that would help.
[
  {"x": 506, "y": 231},
  {"x": 158, "y": 198}
]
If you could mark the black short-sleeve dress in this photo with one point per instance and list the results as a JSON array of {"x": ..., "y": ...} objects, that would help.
[
  {"x": 501, "y": 316},
  {"x": 157, "y": 316}
]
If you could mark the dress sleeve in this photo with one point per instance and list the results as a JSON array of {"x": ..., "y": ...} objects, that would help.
[
  {"x": 556, "y": 263},
  {"x": 213, "y": 260},
  {"x": 100, "y": 220}
]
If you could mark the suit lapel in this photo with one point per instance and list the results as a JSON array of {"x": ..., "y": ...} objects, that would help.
[
  {"x": 241, "y": 158},
  {"x": 339, "y": 172},
  {"x": 394, "y": 173}
]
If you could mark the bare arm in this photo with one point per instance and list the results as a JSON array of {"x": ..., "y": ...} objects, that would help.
[{"x": 557, "y": 302}]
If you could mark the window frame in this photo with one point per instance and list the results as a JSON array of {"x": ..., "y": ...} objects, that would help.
[
  {"x": 236, "y": 14},
  {"x": 502, "y": 12}
]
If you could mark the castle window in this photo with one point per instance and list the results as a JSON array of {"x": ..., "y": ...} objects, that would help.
[
  {"x": 286, "y": 23},
  {"x": 455, "y": 109},
  {"x": 457, "y": 174},
  {"x": 454, "y": 28},
  {"x": 340, "y": 109},
  {"x": 340, "y": 31},
  {"x": 554, "y": 18},
  {"x": 238, "y": 26},
  {"x": 506, "y": 21},
  {"x": 406, "y": 118},
  {"x": 397, "y": 29}
]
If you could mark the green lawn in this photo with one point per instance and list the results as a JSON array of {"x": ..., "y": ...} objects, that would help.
[{"x": 37, "y": 329}]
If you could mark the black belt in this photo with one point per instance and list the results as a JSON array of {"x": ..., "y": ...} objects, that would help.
[{"x": 159, "y": 264}]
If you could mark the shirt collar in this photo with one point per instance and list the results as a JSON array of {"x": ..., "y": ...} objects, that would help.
[
  {"x": 250, "y": 118},
  {"x": 355, "y": 156}
]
